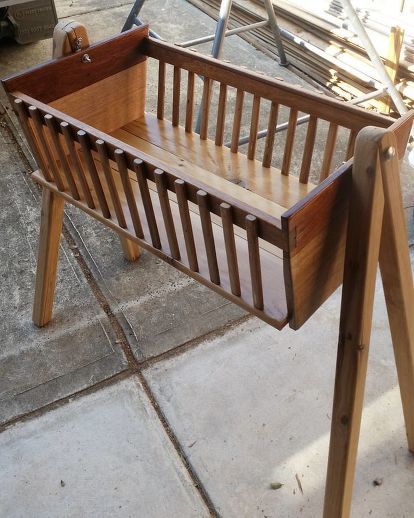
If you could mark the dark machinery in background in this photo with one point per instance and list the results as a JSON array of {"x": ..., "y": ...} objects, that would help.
[{"x": 27, "y": 22}]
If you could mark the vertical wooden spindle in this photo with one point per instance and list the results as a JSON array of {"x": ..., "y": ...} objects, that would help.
[
  {"x": 329, "y": 151},
  {"x": 189, "y": 103},
  {"x": 351, "y": 145},
  {"x": 205, "y": 107},
  {"x": 254, "y": 126},
  {"x": 55, "y": 136},
  {"x": 176, "y": 96},
  {"x": 290, "y": 138},
  {"x": 166, "y": 213},
  {"x": 38, "y": 124},
  {"x": 270, "y": 137},
  {"x": 221, "y": 114},
  {"x": 147, "y": 202},
  {"x": 85, "y": 144},
  {"x": 66, "y": 130},
  {"x": 207, "y": 228},
  {"x": 161, "y": 90},
  {"x": 21, "y": 110},
  {"x": 238, "y": 112},
  {"x": 230, "y": 244},
  {"x": 308, "y": 150},
  {"x": 129, "y": 193},
  {"x": 180, "y": 191},
  {"x": 106, "y": 166},
  {"x": 254, "y": 261}
]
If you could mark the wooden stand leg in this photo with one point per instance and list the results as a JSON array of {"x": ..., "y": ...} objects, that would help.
[
  {"x": 131, "y": 250},
  {"x": 361, "y": 262},
  {"x": 398, "y": 281},
  {"x": 47, "y": 257}
]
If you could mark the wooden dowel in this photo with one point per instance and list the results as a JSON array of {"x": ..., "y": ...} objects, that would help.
[
  {"x": 254, "y": 261},
  {"x": 190, "y": 103},
  {"x": 180, "y": 191},
  {"x": 147, "y": 202},
  {"x": 270, "y": 137},
  {"x": 254, "y": 126},
  {"x": 166, "y": 213},
  {"x": 21, "y": 110},
  {"x": 351, "y": 145},
  {"x": 205, "y": 108},
  {"x": 329, "y": 151},
  {"x": 66, "y": 130},
  {"x": 290, "y": 138},
  {"x": 207, "y": 228},
  {"x": 176, "y": 96},
  {"x": 129, "y": 193},
  {"x": 238, "y": 112},
  {"x": 84, "y": 142},
  {"x": 38, "y": 124},
  {"x": 106, "y": 166},
  {"x": 308, "y": 150},
  {"x": 221, "y": 114},
  {"x": 67, "y": 171},
  {"x": 230, "y": 244},
  {"x": 161, "y": 90}
]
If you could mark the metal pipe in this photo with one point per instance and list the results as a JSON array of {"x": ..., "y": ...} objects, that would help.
[
  {"x": 276, "y": 33},
  {"x": 230, "y": 32}
]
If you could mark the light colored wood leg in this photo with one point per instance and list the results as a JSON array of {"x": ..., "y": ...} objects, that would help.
[
  {"x": 131, "y": 250},
  {"x": 361, "y": 262},
  {"x": 47, "y": 257},
  {"x": 397, "y": 279}
]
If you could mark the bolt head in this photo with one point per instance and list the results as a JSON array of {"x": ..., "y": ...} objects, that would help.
[{"x": 390, "y": 153}]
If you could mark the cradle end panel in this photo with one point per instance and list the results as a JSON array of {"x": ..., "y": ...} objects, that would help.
[{"x": 313, "y": 264}]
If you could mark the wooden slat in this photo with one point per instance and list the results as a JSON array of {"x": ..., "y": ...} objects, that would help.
[
  {"x": 270, "y": 137},
  {"x": 205, "y": 107},
  {"x": 21, "y": 110},
  {"x": 254, "y": 126},
  {"x": 161, "y": 90},
  {"x": 351, "y": 145},
  {"x": 85, "y": 144},
  {"x": 308, "y": 150},
  {"x": 290, "y": 138},
  {"x": 106, "y": 166},
  {"x": 329, "y": 151},
  {"x": 190, "y": 103},
  {"x": 176, "y": 96},
  {"x": 221, "y": 114},
  {"x": 230, "y": 244},
  {"x": 138, "y": 167},
  {"x": 159, "y": 177},
  {"x": 207, "y": 229},
  {"x": 254, "y": 261},
  {"x": 238, "y": 112},
  {"x": 67, "y": 171},
  {"x": 129, "y": 194},
  {"x": 38, "y": 124},
  {"x": 180, "y": 191},
  {"x": 76, "y": 164}
]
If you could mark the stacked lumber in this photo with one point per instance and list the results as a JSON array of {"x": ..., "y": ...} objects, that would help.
[{"x": 322, "y": 48}]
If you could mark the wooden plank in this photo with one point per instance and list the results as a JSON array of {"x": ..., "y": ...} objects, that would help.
[
  {"x": 254, "y": 127},
  {"x": 270, "y": 137},
  {"x": 230, "y": 244},
  {"x": 190, "y": 103},
  {"x": 49, "y": 81},
  {"x": 176, "y": 96},
  {"x": 47, "y": 256},
  {"x": 329, "y": 152},
  {"x": 205, "y": 107},
  {"x": 361, "y": 262},
  {"x": 208, "y": 235},
  {"x": 180, "y": 191},
  {"x": 221, "y": 114},
  {"x": 161, "y": 90},
  {"x": 159, "y": 177},
  {"x": 254, "y": 261},
  {"x": 308, "y": 150},
  {"x": 238, "y": 112},
  {"x": 290, "y": 138}
]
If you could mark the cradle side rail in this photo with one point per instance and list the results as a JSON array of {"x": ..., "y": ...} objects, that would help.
[{"x": 225, "y": 244}]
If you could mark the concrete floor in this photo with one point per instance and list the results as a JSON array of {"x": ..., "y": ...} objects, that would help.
[{"x": 148, "y": 395}]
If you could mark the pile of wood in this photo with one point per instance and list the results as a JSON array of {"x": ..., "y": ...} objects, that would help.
[{"x": 320, "y": 48}]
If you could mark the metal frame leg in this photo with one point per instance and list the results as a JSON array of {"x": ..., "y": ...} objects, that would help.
[{"x": 276, "y": 33}]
